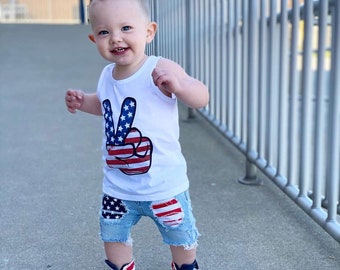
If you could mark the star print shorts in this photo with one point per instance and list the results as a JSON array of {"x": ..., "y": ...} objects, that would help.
[{"x": 173, "y": 217}]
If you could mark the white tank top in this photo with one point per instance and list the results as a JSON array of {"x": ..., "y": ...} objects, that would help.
[{"x": 141, "y": 151}]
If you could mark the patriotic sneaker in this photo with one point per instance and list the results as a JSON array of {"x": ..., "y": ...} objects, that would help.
[
  {"x": 192, "y": 266},
  {"x": 128, "y": 266}
]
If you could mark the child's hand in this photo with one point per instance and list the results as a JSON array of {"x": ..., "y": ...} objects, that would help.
[
  {"x": 167, "y": 76},
  {"x": 171, "y": 78},
  {"x": 74, "y": 99}
]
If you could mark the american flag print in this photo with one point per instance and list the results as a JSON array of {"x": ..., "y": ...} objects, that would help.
[
  {"x": 127, "y": 149},
  {"x": 168, "y": 212},
  {"x": 112, "y": 208}
]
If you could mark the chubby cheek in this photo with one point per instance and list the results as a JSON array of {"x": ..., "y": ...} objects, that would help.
[{"x": 103, "y": 50}]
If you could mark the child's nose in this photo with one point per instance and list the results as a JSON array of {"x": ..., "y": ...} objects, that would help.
[{"x": 116, "y": 37}]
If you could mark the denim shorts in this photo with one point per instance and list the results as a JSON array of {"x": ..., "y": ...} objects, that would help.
[{"x": 172, "y": 216}]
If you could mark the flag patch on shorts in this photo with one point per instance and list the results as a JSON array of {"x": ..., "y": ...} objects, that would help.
[
  {"x": 112, "y": 208},
  {"x": 168, "y": 212}
]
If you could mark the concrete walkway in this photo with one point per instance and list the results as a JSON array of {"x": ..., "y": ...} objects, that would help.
[{"x": 50, "y": 183}]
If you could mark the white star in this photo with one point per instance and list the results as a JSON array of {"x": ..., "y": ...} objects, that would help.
[
  {"x": 122, "y": 118},
  {"x": 127, "y": 125},
  {"x": 132, "y": 104},
  {"x": 126, "y": 107}
]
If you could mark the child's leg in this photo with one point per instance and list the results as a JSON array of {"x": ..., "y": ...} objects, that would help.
[
  {"x": 176, "y": 223},
  {"x": 116, "y": 220},
  {"x": 118, "y": 254},
  {"x": 182, "y": 256}
]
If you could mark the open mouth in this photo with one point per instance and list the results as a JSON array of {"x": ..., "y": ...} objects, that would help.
[{"x": 119, "y": 50}]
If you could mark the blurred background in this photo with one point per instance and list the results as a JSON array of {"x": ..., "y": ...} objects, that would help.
[{"x": 43, "y": 11}]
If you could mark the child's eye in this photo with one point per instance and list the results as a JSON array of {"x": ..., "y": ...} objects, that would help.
[
  {"x": 103, "y": 32},
  {"x": 126, "y": 28}
]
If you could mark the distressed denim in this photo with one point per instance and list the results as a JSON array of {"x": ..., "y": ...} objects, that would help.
[{"x": 173, "y": 217}]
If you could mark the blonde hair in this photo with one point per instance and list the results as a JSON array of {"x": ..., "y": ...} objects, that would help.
[{"x": 144, "y": 4}]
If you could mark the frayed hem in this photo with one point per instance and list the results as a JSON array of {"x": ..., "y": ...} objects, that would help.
[
  {"x": 128, "y": 242},
  {"x": 186, "y": 247}
]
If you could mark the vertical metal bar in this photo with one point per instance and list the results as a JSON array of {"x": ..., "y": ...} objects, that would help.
[
  {"x": 283, "y": 93},
  {"x": 216, "y": 62},
  {"x": 293, "y": 96},
  {"x": 333, "y": 159},
  {"x": 251, "y": 170},
  {"x": 230, "y": 67},
  {"x": 171, "y": 27},
  {"x": 307, "y": 92},
  {"x": 244, "y": 73},
  {"x": 319, "y": 145},
  {"x": 196, "y": 38},
  {"x": 223, "y": 62},
  {"x": 238, "y": 32},
  {"x": 202, "y": 45},
  {"x": 206, "y": 46},
  {"x": 262, "y": 79},
  {"x": 156, "y": 18},
  {"x": 272, "y": 85},
  {"x": 189, "y": 45},
  {"x": 209, "y": 55},
  {"x": 184, "y": 32}
]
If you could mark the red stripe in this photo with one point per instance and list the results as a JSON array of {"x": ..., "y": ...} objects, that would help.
[
  {"x": 135, "y": 170},
  {"x": 165, "y": 204},
  {"x": 118, "y": 151},
  {"x": 132, "y": 140},
  {"x": 176, "y": 221},
  {"x": 130, "y": 161}
]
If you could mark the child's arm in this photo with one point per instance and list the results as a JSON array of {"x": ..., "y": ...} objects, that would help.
[
  {"x": 169, "y": 77},
  {"x": 78, "y": 100}
]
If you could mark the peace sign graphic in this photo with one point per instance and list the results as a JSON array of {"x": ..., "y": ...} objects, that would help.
[{"x": 127, "y": 149}]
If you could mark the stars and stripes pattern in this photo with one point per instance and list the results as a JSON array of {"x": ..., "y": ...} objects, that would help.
[
  {"x": 127, "y": 149},
  {"x": 168, "y": 212},
  {"x": 125, "y": 121},
  {"x": 112, "y": 208}
]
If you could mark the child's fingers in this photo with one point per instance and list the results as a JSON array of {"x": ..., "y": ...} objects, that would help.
[
  {"x": 74, "y": 94},
  {"x": 157, "y": 77},
  {"x": 71, "y": 110},
  {"x": 73, "y": 100}
]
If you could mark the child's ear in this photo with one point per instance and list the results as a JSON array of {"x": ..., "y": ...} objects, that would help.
[
  {"x": 91, "y": 37},
  {"x": 151, "y": 32}
]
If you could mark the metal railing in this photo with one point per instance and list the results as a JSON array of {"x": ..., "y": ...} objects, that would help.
[{"x": 273, "y": 70}]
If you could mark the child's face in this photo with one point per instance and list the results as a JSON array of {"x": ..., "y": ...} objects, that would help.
[{"x": 121, "y": 30}]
